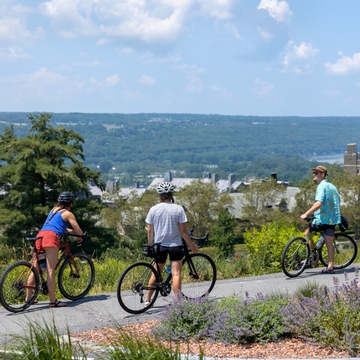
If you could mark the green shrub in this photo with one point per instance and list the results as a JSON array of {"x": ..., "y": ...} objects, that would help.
[{"x": 265, "y": 247}]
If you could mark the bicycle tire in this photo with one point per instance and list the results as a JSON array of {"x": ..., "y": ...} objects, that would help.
[
  {"x": 13, "y": 286},
  {"x": 132, "y": 287},
  {"x": 345, "y": 251},
  {"x": 76, "y": 282},
  {"x": 198, "y": 284},
  {"x": 295, "y": 256}
]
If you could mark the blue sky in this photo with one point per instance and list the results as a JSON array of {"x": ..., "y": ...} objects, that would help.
[{"x": 231, "y": 57}]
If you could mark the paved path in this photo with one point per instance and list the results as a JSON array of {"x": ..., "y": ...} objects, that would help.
[{"x": 103, "y": 310}]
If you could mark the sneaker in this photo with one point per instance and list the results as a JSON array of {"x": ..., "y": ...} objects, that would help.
[{"x": 147, "y": 303}]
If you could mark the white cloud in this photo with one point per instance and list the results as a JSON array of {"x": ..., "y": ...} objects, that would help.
[
  {"x": 331, "y": 93},
  {"x": 264, "y": 34},
  {"x": 146, "y": 80},
  {"x": 231, "y": 28},
  {"x": 298, "y": 58},
  {"x": 12, "y": 53},
  {"x": 192, "y": 72},
  {"x": 72, "y": 18},
  {"x": 223, "y": 92},
  {"x": 262, "y": 88},
  {"x": 278, "y": 10},
  {"x": 14, "y": 30},
  {"x": 148, "y": 21},
  {"x": 344, "y": 65},
  {"x": 112, "y": 80},
  {"x": 219, "y": 9},
  {"x": 42, "y": 85}
]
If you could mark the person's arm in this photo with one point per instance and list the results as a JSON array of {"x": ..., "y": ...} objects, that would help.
[
  {"x": 317, "y": 205},
  {"x": 69, "y": 217},
  {"x": 150, "y": 233},
  {"x": 186, "y": 237}
]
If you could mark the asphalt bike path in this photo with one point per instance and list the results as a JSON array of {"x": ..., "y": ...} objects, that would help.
[{"x": 103, "y": 310}]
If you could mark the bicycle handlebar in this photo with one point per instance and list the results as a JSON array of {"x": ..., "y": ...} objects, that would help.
[{"x": 84, "y": 236}]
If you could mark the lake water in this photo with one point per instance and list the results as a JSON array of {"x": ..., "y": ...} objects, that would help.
[{"x": 339, "y": 158}]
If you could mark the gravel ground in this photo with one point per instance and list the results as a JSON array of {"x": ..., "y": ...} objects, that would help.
[{"x": 288, "y": 349}]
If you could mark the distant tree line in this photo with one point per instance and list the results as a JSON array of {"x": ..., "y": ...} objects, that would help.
[{"x": 143, "y": 144}]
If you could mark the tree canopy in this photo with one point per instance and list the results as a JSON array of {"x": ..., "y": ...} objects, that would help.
[{"x": 33, "y": 171}]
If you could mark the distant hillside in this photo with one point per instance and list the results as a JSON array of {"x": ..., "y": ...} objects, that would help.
[{"x": 160, "y": 141}]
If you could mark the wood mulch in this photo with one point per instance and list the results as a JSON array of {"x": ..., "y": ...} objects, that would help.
[{"x": 291, "y": 348}]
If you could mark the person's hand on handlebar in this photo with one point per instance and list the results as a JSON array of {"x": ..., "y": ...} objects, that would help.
[{"x": 303, "y": 217}]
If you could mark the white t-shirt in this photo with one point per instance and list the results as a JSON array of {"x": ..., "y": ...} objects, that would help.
[{"x": 166, "y": 217}]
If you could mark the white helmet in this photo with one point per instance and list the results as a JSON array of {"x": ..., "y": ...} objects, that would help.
[{"x": 165, "y": 188}]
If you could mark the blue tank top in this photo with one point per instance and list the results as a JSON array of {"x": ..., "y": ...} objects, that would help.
[{"x": 55, "y": 223}]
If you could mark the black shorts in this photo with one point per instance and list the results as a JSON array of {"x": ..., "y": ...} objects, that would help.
[
  {"x": 176, "y": 253},
  {"x": 328, "y": 230}
]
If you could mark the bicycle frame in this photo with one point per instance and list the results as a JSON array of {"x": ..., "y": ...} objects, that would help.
[
  {"x": 64, "y": 248},
  {"x": 164, "y": 285}
]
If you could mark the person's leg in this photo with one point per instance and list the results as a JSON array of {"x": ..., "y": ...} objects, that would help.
[
  {"x": 329, "y": 234},
  {"x": 176, "y": 267},
  {"x": 51, "y": 260},
  {"x": 30, "y": 282},
  {"x": 331, "y": 251},
  {"x": 152, "y": 282}
]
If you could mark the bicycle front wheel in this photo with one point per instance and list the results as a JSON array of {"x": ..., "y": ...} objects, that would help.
[
  {"x": 198, "y": 276},
  {"x": 134, "y": 285},
  {"x": 18, "y": 282},
  {"x": 76, "y": 276},
  {"x": 345, "y": 251},
  {"x": 295, "y": 256}
]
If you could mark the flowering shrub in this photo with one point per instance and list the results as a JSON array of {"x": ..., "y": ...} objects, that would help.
[
  {"x": 314, "y": 313},
  {"x": 328, "y": 318},
  {"x": 230, "y": 320}
]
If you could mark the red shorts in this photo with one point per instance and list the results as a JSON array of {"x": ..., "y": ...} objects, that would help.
[{"x": 48, "y": 239}]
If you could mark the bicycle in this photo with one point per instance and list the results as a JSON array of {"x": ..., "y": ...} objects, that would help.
[
  {"x": 198, "y": 278},
  {"x": 297, "y": 255},
  {"x": 75, "y": 277}
]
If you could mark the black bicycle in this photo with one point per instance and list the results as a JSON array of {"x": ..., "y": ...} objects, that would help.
[
  {"x": 297, "y": 255},
  {"x": 198, "y": 278},
  {"x": 23, "y": 280}
]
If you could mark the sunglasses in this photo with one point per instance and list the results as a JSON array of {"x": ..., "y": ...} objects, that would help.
[{"x": 316, "y": 172}]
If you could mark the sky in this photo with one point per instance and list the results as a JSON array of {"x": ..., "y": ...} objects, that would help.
[{"x": 229, "y": 57}]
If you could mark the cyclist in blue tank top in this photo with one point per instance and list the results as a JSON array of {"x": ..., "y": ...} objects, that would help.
[{"x": 56, "y": 224}]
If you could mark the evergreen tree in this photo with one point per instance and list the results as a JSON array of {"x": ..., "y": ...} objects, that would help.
[
  {"x": 223, "y": 233},
  {"x": 34, "y": 170}
]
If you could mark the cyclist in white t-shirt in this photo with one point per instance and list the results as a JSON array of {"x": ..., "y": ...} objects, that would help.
[{"x": 166, "y": 224}]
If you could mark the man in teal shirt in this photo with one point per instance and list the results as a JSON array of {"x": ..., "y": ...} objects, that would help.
[{"x": 326, "y": 211}]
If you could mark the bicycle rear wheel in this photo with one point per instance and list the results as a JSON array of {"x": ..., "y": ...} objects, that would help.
[
  {"x": 198, "y": 276},
  {"x": 76, "y": 276},
  {"x": 345, "y": 251},
  {"x": 133, "y": 286},
  {"x": 295, "y": 256},
  {"x": 19, "y": 278}
]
